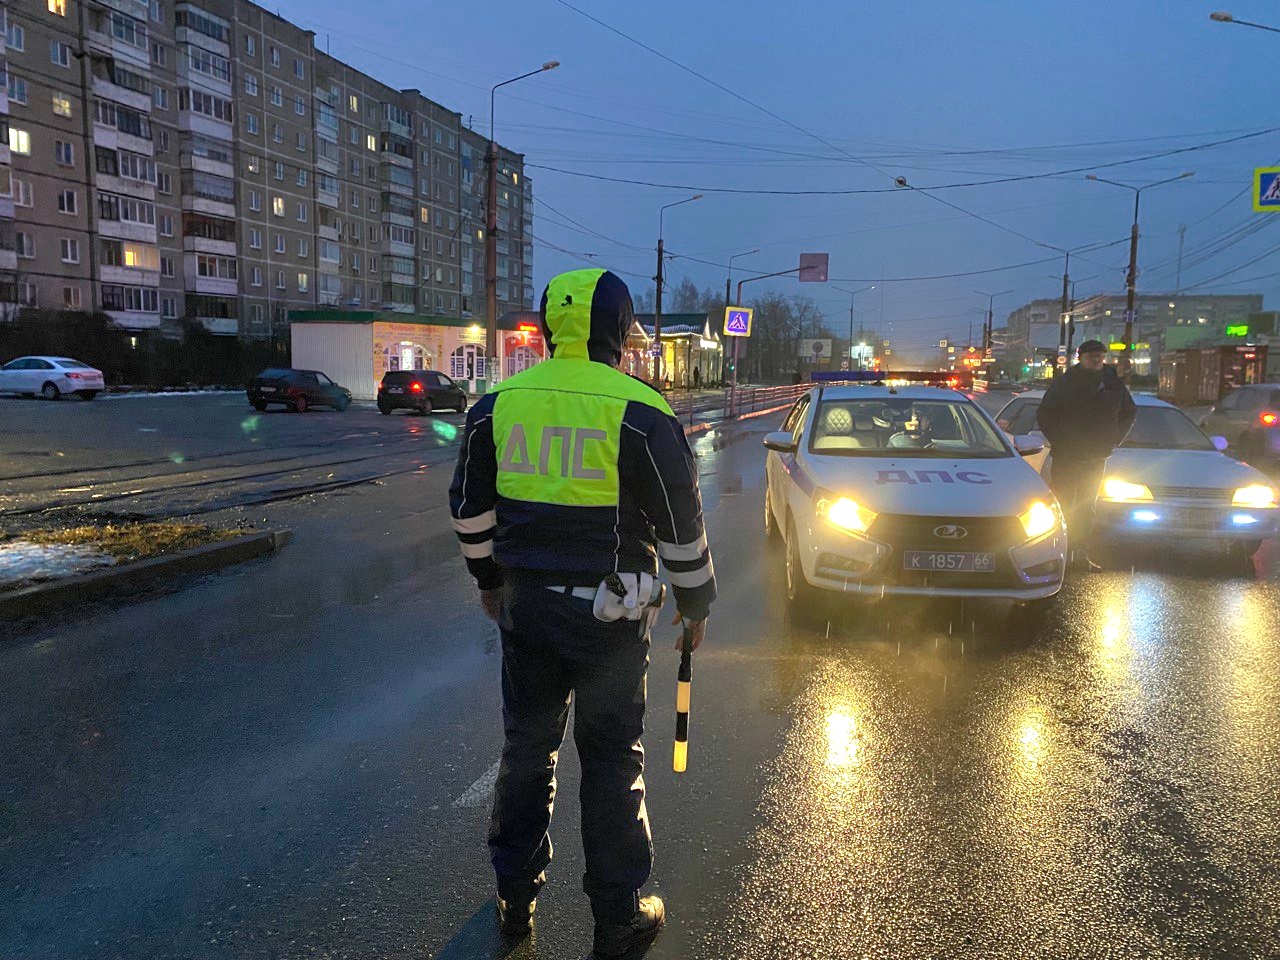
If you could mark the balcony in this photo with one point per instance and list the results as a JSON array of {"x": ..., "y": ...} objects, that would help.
[
  {"x": 399, "y": 129},
  {"x": 221, "y": 326}
]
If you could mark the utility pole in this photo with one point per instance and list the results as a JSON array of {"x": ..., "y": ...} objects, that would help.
[
  {"x": 1064, "y": 351},
  {"x": 90, "y": 201},
  {"x": 491, "y": 361},
  {"x": 657, "y": 294},
  {"x": 1182, "y": 239}
]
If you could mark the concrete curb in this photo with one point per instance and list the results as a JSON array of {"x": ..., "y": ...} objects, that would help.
[{"x": 134, "y": 577}]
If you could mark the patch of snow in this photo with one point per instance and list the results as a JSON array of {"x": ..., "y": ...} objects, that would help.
[
  {"x": 152, "y": 394},
  {"x": 23, "y": 561}
]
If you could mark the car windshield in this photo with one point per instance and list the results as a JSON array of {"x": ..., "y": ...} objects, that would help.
[
  {"x": 1163, "y": 428},
  {"x": 73, "y": 365},
  {"x": 903, "y": 427}
]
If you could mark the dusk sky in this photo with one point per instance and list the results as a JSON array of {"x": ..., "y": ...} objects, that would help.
[{"x": 937, "y": 92}]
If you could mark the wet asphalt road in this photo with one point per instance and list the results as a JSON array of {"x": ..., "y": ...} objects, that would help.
[{"x": 291, "y": 759}]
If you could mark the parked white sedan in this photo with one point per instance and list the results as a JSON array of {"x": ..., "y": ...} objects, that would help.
[
  {"x": 1167, "y": 480},
  {"x": 50, "y": 377},
  {"x": 887, "y": 491}
]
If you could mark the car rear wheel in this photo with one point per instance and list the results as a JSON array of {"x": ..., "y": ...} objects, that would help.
[
  {"x": 804, "y": 602},
  {"x": 462, "y": 405},
  {"x": 300, "y": 405},
  {"x": 258, "y": 405},
  {"x": 86, "y": 394},
  {"x": 50, "y": 391},
  {"x": 384, "y": 410},
  {"x": 426, "y": 408}
]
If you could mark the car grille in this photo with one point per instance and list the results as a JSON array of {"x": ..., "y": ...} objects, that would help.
[
  {"x": 1203, "y": 494},
  {"x": 983, "y": 535}
]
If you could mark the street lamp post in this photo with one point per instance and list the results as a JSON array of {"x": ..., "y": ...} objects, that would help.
[
  {"x": 852, "y": 294},
  {"x": 987, "y": 327},
  {"x": 728, "y": 280},
  {"x": 1222, "y": 17},
  {"x": 491, "y": 229},
  {"x": 1131, "y": 281},
  {"x": 657, "y": 295}
]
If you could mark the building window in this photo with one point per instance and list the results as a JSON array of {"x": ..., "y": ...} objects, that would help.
[
  {"x": 278, "y": 170},
  {"x": 162, "y": 141},
  {"x": 166, "y": 225},
  {"x": 164, "y": 183},
  {"x": 251, "y": 84},
  {"x": 166, "y": 266},
  {"x": 209, "y": 63},
  {"x": 59, "y": 53},
  {"x": 15, "y": 38},
  {"x": 373, "y": 264},
  {"x": 371, "y": 142},
  {"x": 67, "y": 201},
  {"x": 160, "y": 97},
  {"x": 436, "y": 135},
  {"x": 169, "y": 308},
  {"x": 274, "y": 54},
  {"x": 298, "y": 70},
  {"x": 302, "y": 283},
  {"x": 302, "y": 176},
  {"x": 302, "y": 213},
  {"x": 255, "y": 201},
  {"x": 300, "y": 140},
  {"x": 209, "y": 105},
  {"x": 299, "y": 107},
  {"x": 64, "y": 153},
  {"x": 22, "y": 195},
  {"x": 279, "y": 279},
  {"x": 24, "y": 244},
  {"x": 216, "y": 268},
  {"x": 138, "y": 299},
  {"x": 159, "y": 54},
  {"x": 157, "y": 11},
  {"x": 255, "y": 238},
  {"x": 17, "y": 89},
  {"x": 279, "y": 239},
  {"x": 353, "y": 103},
  {"x": 354, "y": 136},
  {"x": 71, "y": 298},
  {"x": 250, "y": 45},
  {"x": 19, "y": 141},
  {"x": 304, "y": 248},
  {"x": 255, "y": 277},
  {"x": 277, "y": 97},
  {"x": 277, "y": 206},
  {"x": 253, "y": 164},
  {"x": 70, "y": 250},
  {"x": 276, "y": 133}
]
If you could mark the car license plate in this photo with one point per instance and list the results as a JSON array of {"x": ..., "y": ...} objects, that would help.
[
  {"x": 395, "y": 390},
  {"x": 951, "y": 562},
  {"x": 268, "y": 389}
]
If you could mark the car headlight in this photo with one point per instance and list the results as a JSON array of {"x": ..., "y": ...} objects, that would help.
[
  {"x": 1039, "y": 519},
  {"x": 1122, "y": 491},
  {"x": 1254, "y": 495},
  {"x": 845, "y": 514}
]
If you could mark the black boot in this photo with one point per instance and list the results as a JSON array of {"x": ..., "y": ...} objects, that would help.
[
  {"x": 515, "y": 917},
  {"x": 617, "y": 938}
]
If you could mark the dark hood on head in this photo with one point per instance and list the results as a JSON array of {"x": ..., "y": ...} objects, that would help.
[{"x": 586, "y": 315}]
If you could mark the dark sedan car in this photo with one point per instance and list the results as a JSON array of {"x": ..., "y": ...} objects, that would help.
[
  {"x": 420, "y": 390},
  {"x": 297, "y": 390}
]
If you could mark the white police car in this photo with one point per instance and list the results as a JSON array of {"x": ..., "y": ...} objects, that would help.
[
  {"x": 1168, "y": 481},
  {"x": 882, "y": 490}
]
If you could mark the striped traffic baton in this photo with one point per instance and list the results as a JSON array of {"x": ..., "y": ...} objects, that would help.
[{"x": 684, "y": 686}]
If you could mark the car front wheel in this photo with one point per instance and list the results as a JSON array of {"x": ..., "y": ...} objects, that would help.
[
  {"x": 50, "y": 391},
  {"x": 804, "y": 601},
  {"x": 342, "y": 404},
  {"x": 771, "y": 532},
  {"x": 258, "y": 405}
]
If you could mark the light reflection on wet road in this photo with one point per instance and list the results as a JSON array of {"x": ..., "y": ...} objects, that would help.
[{"x": 917, "y": 780}]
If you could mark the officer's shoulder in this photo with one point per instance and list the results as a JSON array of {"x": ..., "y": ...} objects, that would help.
[
  {"x": 482, "y": 407},
  {"x": 644, "y": 383}
]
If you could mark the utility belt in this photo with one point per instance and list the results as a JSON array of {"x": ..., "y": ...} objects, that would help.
[{"x": 622, "y": 596}]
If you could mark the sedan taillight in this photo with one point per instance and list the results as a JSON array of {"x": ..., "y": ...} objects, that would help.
[{"x": 1267, "y": 419}]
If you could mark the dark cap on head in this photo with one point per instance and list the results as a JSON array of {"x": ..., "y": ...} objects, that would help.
[{"x": 1092, "y": 346}]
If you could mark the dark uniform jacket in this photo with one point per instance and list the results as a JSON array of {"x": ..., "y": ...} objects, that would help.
[
  {"x": 572, "y": 470},
  {"x": 1085, "y": 414}
]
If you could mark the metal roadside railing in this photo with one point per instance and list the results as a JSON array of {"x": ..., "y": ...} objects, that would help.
[
  {"x": 748, "y": 400},
  {"x": 701, "y": 408}
]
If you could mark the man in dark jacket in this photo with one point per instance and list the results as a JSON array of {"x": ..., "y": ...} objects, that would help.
[
  {"x": 572, "y": 481},
  {"x": 1085, "y": 414}
]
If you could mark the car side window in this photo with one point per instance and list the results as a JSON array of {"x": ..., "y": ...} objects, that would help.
[
  {"x": 789, "y": 424},
  {"x": 307, "y": 378},
  {"x": 15, "y": 365},
  {"x": 1232, "y": 401},
  {"x": 797, "y": 418},
  {"x": 1024, "y": 421},
  {"x": 323, "y": 379},
  {"x": 40, "y": 365},
  {"x": 1011, "y": 414}
]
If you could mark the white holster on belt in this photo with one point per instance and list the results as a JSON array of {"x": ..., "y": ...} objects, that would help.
[{"x": 629, "y": 596}]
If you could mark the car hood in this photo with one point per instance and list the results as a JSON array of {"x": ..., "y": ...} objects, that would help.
[
  {"x": 931, "y": 487},
  {"x": 1182, "y": 468}
]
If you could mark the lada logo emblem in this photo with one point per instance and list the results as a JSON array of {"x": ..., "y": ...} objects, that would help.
[{"x": 949, "y": 531}]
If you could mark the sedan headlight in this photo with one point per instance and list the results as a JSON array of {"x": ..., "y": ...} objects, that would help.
[
  {"x": 1039, "y": 519},
  {"x": 1122, "y": 491},
  {"x": 845, "y": 514},
  {"x": 1255, "y": 495}
]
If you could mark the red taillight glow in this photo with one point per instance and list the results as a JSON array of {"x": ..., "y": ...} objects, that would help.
[
  {"x": 1268, "y": 419},
  {"x": 75, "y": 376},
  {"x": 415, "y": 387}
]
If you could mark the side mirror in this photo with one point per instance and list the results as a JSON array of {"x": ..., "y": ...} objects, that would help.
[
  {"x": 1028, "y": 444},
  {"x": 1219, "y": 443},
  {"x": 780, "y": 440}
]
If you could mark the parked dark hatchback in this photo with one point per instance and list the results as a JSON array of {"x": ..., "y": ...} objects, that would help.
[
  {"x": 421, "y": 390},
  {"x": 297, "y": 390}
]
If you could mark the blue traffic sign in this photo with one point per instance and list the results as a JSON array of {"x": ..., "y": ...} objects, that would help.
[
  {"x": 1266, "y": 189},
  {"x": 737, "y": 321}
]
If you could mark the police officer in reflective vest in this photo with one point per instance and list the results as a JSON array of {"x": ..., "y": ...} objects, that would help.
[{"x": 572, "y": 481}]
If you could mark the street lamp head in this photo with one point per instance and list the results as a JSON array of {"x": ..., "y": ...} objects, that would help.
[
  {"x": 551, "y": 65},
  {"x": 1189, "y": 173},
  {"x": 1090, "y": 176},
  {"x": 1221, "y": 17},
  {"x": 698, "y": 196}
]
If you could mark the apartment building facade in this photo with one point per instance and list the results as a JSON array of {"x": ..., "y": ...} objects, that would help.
[{"x": 204, "y": 160}]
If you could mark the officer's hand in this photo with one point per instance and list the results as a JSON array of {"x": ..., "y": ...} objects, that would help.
[
  {"x": 697, "y": 630},
  {"x": 491, "y": 603}
]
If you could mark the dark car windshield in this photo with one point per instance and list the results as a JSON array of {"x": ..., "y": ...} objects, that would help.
[
  {"x": 1162, "y": 428},
  {"x": 903, "y": 427},
  {"x": 402, "y": 376}
]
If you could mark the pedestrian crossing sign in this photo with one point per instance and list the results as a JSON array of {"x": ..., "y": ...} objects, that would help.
[
  {"x": 1266, "y": 189},
  {"x": 737, "y": 321}
]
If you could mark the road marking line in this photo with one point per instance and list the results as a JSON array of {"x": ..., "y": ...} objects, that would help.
[{"x": 477, "y": 795}]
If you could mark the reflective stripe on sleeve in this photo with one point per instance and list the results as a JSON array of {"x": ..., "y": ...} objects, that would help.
[
  {"x": 477, "y": 551},
  {"x": 693, "y": 578},
  {"x": 476, "y": 524},
  {"x": 682, "y": 551}
]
